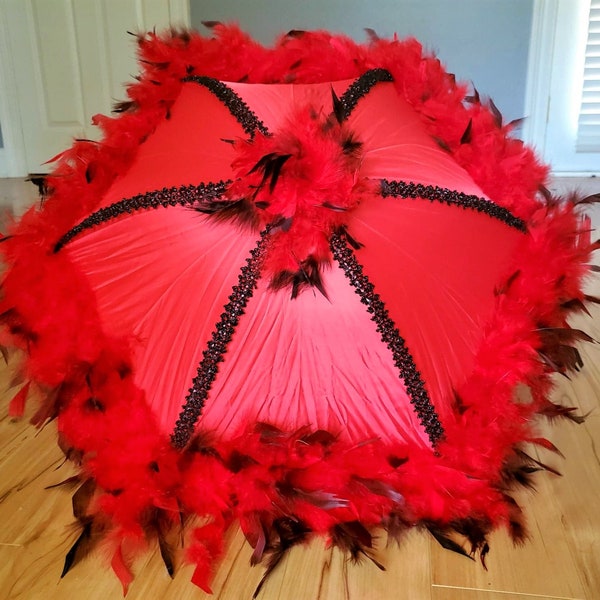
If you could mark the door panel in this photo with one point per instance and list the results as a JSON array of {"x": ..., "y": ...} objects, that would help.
[{"x": 70, "y": 59}]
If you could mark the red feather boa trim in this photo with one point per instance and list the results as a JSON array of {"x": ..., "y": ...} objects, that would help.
[{"x": 282, "y": 485}]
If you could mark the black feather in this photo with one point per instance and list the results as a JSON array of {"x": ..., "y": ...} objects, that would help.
[
  {"x": 166, "y": 545},
  {"x": 397, "y": 461},
  {"x": 552, "y": 411},
  {"x": 483, "y": 554},
  {"x": 446, "y": 542},
  {"x": 160, "y": 66},
  {"x": 558, "y": 350},
  {"x": 474, "y": 98},
  {"x": 373, "y": 37},
  {"x": 497, "y": 114},
  {"x": 307, "y": 275},
  {"x": 94, "y": 404},
  {"x": 343, "y": 231},
  {"x": 575, "y": 305},
  {"x": 39, "y": 180},
  {"x": 516, "y": 122},
  {"x": 334, "y": 207},
  {"x": 380, "y": 488},
  {"x": 459, "y": 407},
  {"x": 125, "y": 106},
  {"x": 442, "y": 144},
  {"x": 351, "y": 146},
  {"x": 68, "y": 481},
  {"x": 82, "y": 498},
  {"x": 270, "y": 165},
  {"x": 530, "y": 460},
  {"x": 517, "y": 528},
  {"x": 49, "y": 408},
  {"x": 353, "y": 537},
  {"x": 268, "y": 432},
  {"x": 242, "y": 211},
  {"x": 289, "y": 532},
  {"x": 278, "y": 165},
  {"x": 202, "y": 444},
  {"x": 591, "y": 199},
  {"x": 320, "y": 498},
  {"x": 338, "y": 107},
  {"x": 321, "y": 436},
  {"x": 238, "y": 461},
  {"x": 81, "y": 546},
  {"x": 466, "y": 136},
  {"x": 545, "y": 192}
]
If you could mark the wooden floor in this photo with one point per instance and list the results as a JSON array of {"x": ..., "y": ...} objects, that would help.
[{"x": 561, "y": 560}]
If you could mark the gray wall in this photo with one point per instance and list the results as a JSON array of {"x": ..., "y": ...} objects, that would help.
[{"x": 483, "y": 41}]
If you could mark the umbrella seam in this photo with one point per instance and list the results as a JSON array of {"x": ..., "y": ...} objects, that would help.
[
  {"x": 404, "y": 189},
  {"x": 403, "y": 359},
  {"x": 217, "y": 346},
  {"x": 189, "y": 195}
]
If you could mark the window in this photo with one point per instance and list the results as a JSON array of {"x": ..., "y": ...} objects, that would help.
[
  {"x": 555, "y": 85},
  {"x": 588, "y": 132}
]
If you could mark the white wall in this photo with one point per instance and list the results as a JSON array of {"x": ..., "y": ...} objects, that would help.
[{"x": 485, "y": 41}]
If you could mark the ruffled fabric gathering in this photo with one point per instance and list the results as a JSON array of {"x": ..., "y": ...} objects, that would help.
[{"x": 295, "y": 288}]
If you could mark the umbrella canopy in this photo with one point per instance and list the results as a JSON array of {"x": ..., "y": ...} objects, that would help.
[{"x": 295, "y": 287}]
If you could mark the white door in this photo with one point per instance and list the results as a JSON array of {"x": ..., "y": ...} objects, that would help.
[{"x": 64, "y": 61}]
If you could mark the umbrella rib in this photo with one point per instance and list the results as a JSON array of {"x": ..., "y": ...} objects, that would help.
[
  {"x": 403, "y": 359},
  {"x": 189, "y": 195},
  {"x": 250, "y": 122},
  {"x": 361, "y": 87},
  {"x": 236, "y": 106},
  {"x": 217, "y": 346},
  {"x": 404, "y": 189}
]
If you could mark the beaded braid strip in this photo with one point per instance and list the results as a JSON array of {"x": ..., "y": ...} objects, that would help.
[
  {"x": 250, "y": 122},
  {"x": 190, "y": 195},
  {"x": 390, "y": 335},
  {"x": 236, "y": 106},
  {"x": 217, "y": 346},
  {"x": 361, "y": 87},
  {"x": 404, "y": 189}
]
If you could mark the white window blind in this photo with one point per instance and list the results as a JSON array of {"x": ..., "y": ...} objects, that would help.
[{"x": 588, "y": 132}]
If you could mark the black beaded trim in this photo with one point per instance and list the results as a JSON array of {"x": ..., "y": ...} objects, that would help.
[
  {"x": 237, "y": 107},
  {"x": 217, "y": 346},
  {"x": 404, "y": 189},
  {"x": 390, "y": 335},
  {"x": 190, "y": 195},
  {"x": 361, "y": 87}
]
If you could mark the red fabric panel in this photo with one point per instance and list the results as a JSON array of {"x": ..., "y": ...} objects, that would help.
[
  {"x": 186, "y": 149},
  {"x": 436, "y": 268}
]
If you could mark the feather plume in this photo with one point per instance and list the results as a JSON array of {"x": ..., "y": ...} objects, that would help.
[
  {"x": 91, "y": 528},
  {"x": 288, "y": 532},
  {"x": 307, "y": 275},
  {"x": 82, "y": 547},
  {"x": 446, "y": 542},
  {"x": 353, "y": 537}
]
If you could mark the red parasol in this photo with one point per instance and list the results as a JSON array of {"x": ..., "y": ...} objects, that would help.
[{"x": 295, "y": 287}]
